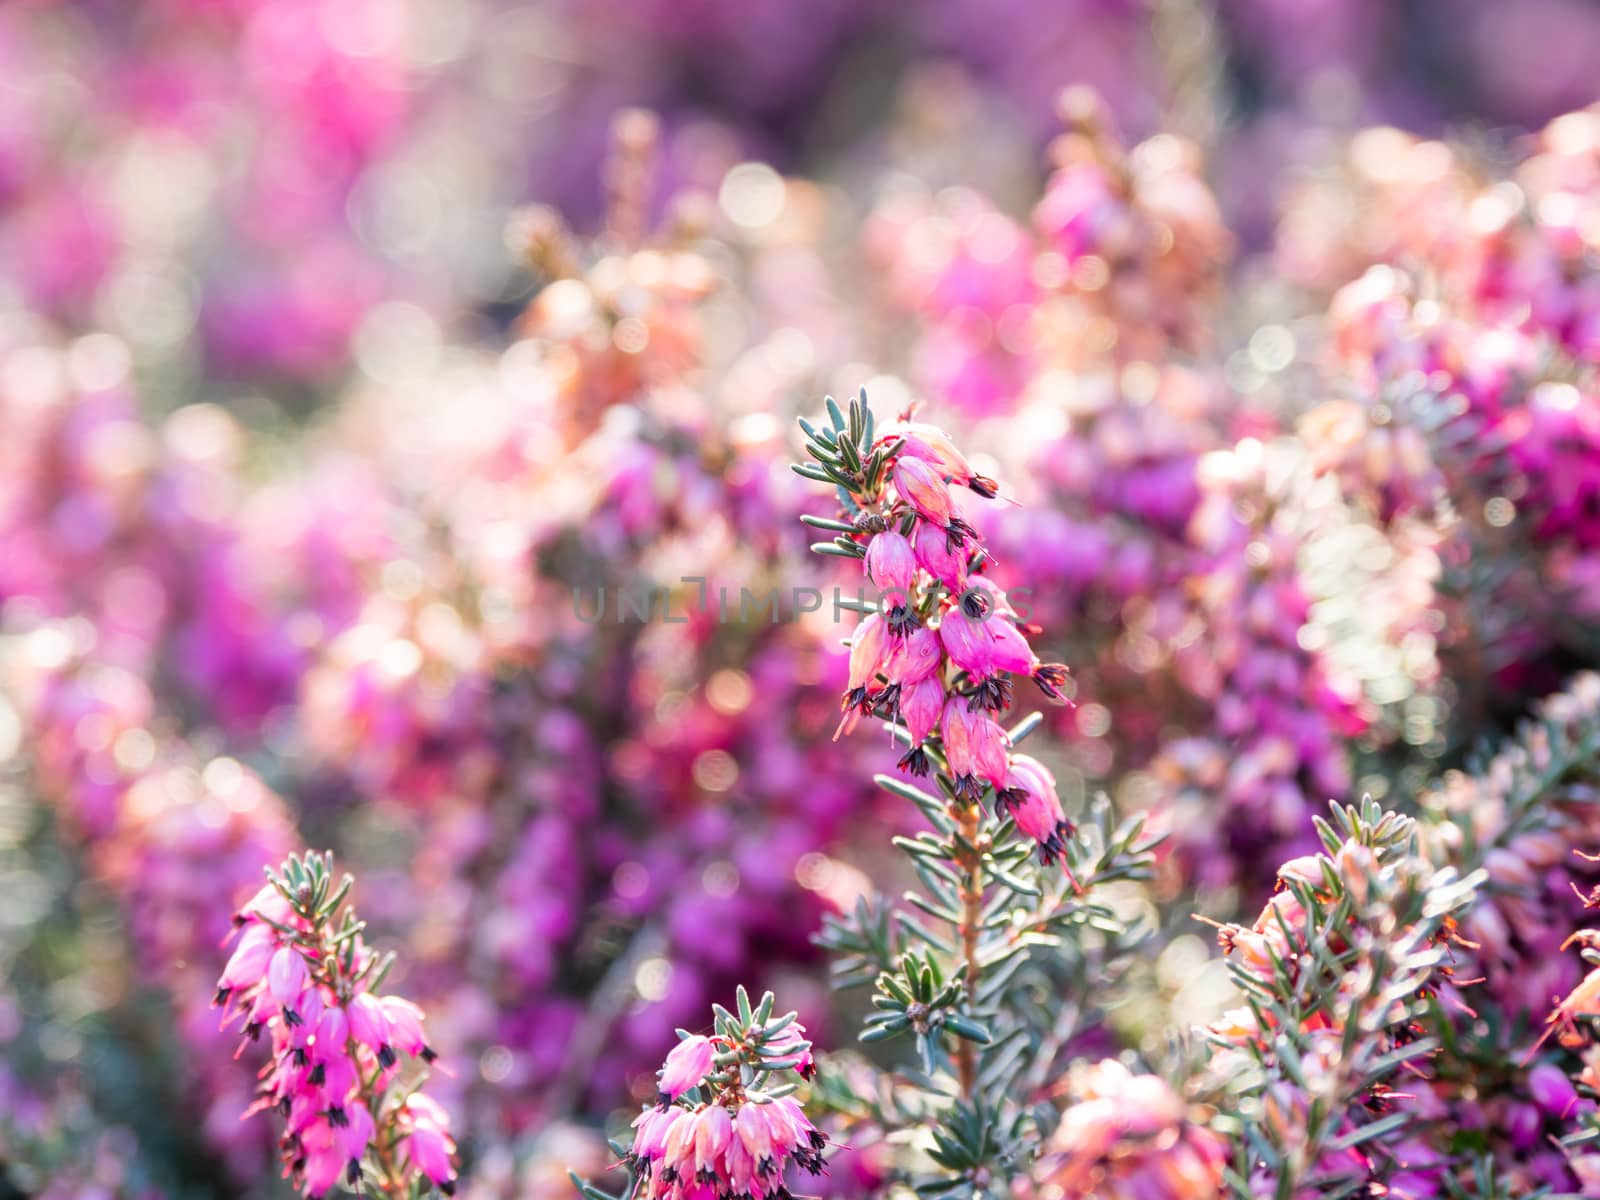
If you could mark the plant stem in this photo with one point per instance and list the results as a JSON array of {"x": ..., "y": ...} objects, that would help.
[{"x": 968, "y": 819}]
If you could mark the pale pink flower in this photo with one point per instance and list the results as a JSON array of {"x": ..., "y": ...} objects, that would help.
[
  {"x": 686, "y": 1066},
  {"x": 286, "y": 975},
  {"x": 921, "y": 487},
  {"x": 370, "y": 1027},
  {"x": 935, "y": 555},
  {"x": 1031, "y": 797},
  {"x": 889, "y": 562}
]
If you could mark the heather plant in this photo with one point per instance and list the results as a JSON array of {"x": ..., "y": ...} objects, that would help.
[
  {"x": 1012, "y": 892},
  {"x": 301, "y": 975},
  {"x": 1339, "y": 976},
  {"x": 935, "y": 662}
]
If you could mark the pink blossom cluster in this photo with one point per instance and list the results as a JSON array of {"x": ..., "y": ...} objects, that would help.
[
  {"x": 1281, "y": 716},
  {"x": 461, "y": 727},
  {"x": 281, "y": 606},
  {"x": 550, "y": 811},
  {"x": 938, "y": 654},
  {"x": 301, "y": 974},
  {"x": 711, "y": 1133},
  {"x": 1329, "y": 905}
]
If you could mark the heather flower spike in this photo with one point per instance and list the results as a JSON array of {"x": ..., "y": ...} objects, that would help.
[
  {"x": 301, "y": 975},
  {"x": 934, "y": 661},
  {"x": 726, "y": 1124}
]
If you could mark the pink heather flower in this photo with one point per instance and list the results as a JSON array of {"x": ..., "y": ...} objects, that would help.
[
  {"x": 933, "y": 445},
  {"x": 268, "y": 903},
  {"x": 370, "y": 1027},
  {"x": 793, "y": 1133},
  {"x": 405, "y": 1026},
  {"x": 921, "y": 487},
  {"x": 993, "y": 750},
  {"x": 754, "y": 1131},
  {"x": 686, "y": 1066},
  {"x": 430, "y": 1149},
  {"x": 918, "y": 657},
  {"x": 333, "y": 1032},
  {"x": 934, "y": 554},
  {"x": 650, "y": 1130},
  {"x": 741, "y": 1169},
  {"x": 920, "y": 705},
  {"x": 871, "y": 651},
  {"x": 725, "y": 1151},
  {"x": 730, "y": 1142},
  {"x": 248, "y": 964},
  {"x": 968, "y": 643},
  {"x": 1010, "y": 650},
  {"x": 332, "y": 1058},
  {"x": 890, "y": 563},
  {"x": 712, "y": 1131},
  {"x": 323, "y": 1162},
  {"x": 1012, "y": 653},
  {"x": 286, "y": 975},
  {"x": 971, "y": 645},
  {"x": 1128, "y": 1137},
  {"x": 1031, "y": 797},
  {"x": 357, "y": 1133},
  {"x": 974, "y": 747}
]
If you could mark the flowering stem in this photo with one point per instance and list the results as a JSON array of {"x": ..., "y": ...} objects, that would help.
[{"x": 968, "y": 818}]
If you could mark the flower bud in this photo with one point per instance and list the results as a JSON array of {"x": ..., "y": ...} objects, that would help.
[
  {"x": 286, "y": 975},
  {"x": 1031, "y": 797},
  {"x": 405, "y": 1026},
  {"x": 918, "y": 657},
  {"x": 713, "y": 1129},
  {"x": 932, "y": 445},
  {"x": 686, "y": 1066},
  {"x": 974, "y": 747},
  {"x": 247, "y": 966},
  {"x": 889, "y": 562},
  {"x": 1011, "y": 651},
  {"x": 969, "y": 643},
  {"x": 935, "y": 555},
  {"x": 370, "y": 1027},
  {"x": 429, "y": 1149},
  {"x": 921, "y": 487}
]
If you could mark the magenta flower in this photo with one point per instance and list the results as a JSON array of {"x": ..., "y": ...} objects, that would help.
[
  {"x": 737, "y": 1140},
  {"x": 426, "y": 1142},
  {"x": 975, "y": 748},
  {"x": 1030, "y": 796},
  {"x": 686, "y": 1066},
  {"x": 917, "y": 658},
  {"x": 969, "y": 644},
  {"x": 934, "y": 553},
  {"x": 921, "y": 487},
  {"x": 872, "y": 650},
  {"x": 921, "y": 704},
  {"x": 890, "y": 563}
]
